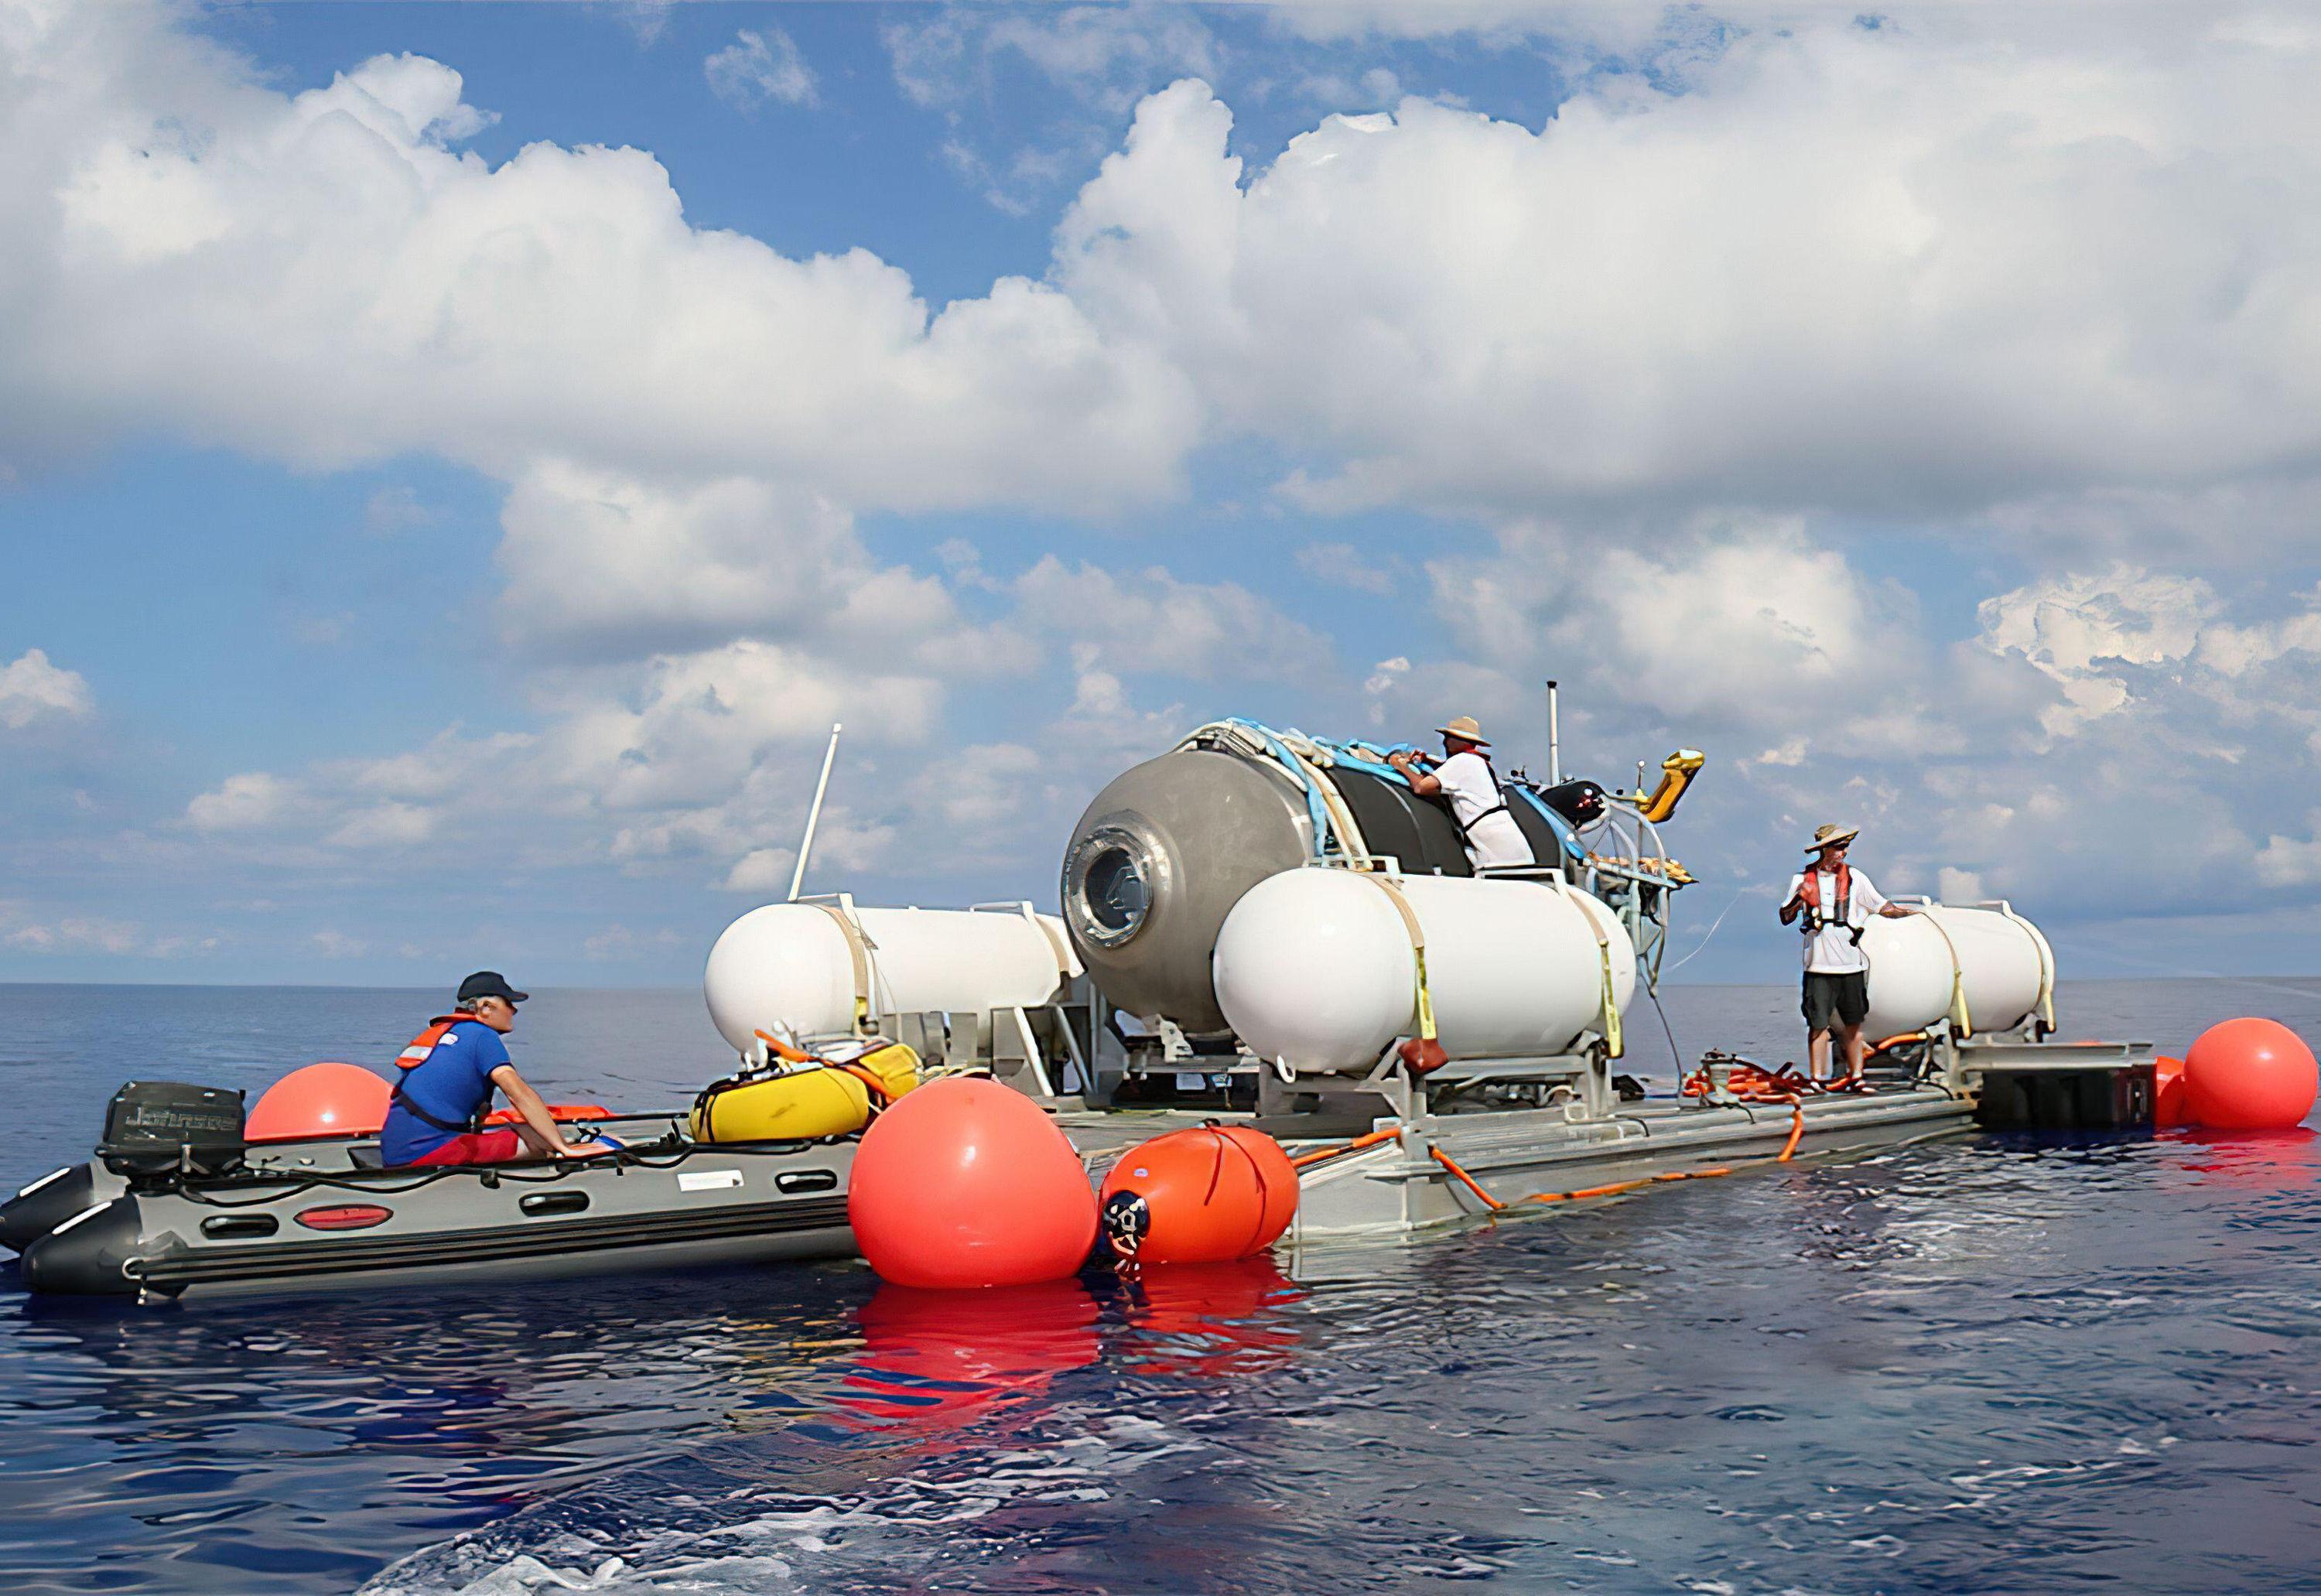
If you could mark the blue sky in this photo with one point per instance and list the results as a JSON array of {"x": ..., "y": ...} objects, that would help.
[{"x": 457, "y": 461}]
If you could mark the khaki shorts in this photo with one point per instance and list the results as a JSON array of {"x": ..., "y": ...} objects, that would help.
[{"x": 1844, "y": 999}]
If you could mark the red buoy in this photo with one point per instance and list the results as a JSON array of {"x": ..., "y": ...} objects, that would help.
[
  {"x": 965, "y": 1182},
  {"x": 2167, "y": 1093},
  {"x": 320, "y": 1100},
  {"x": 2249, "y": 1074},
  {"x": 1207, "y": 1195}
]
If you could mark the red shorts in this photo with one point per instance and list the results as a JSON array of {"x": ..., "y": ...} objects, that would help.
[{"x": 488, "y": 1146}]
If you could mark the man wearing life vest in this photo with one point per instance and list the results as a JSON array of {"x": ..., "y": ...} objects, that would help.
[
  {"x": 1466, "y": 778},
  {"x": 448, "y": 1073},
  {"x": 1835, "y": 902}
]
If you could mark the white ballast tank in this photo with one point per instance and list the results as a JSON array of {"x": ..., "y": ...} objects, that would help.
[
  {"x": 794, "y": 964},
  {"x": 1315, "y": 968},
  {"x": 1993, "y": 957}
]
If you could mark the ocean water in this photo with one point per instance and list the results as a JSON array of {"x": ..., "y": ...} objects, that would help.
[{"x": 1978, "y": 1365}]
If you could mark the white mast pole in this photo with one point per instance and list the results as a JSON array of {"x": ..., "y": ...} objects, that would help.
[
  {"x": 1554, "y": 743},
  {"x": 814, "y": 815}
]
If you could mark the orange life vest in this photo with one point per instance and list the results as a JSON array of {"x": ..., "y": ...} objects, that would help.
[
  {"x": 423, "y": 1046},
  {"x": 1816, "y": 917},
  {"x": 426, "y": 1041}
]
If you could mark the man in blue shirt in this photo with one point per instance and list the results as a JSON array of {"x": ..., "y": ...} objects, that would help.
[{"x": 448, "y": 1072}]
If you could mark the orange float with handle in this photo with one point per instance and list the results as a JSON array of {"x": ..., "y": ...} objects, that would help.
[{"x": 1207, "y": 1195}]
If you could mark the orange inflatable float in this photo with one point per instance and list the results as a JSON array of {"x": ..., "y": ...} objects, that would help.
[
  {"x": 327, "y": 1099},
  {"x": 1209, "y": 1195},
  {"x": 966, "y": 1182},
  {"x": 2167, "y": 1093},
  {"x": 2249, "y": 1074}
]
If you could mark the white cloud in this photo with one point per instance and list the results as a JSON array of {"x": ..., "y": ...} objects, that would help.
[
  {"x": 33, "y": 690},
  {"x": 1343, "y": 565},
  {"x": 760, "y": 65},
  {"x": 337, "y": 944},
  {"x": 1958, "y": 886},
  {"x": 765, "y": 870},
  {"x": 1870, "y": 267},
  {"x": 2073, "y": 628},
  {"x": 602, "y": 564},
  {"x": 377, "y": 290},
  {"x": 394, "y": 509},
  {"x": 248, "y": 802},
  {"x": 1104, "y": 56},
  {"x": 1724, "y": 622},
  {"x": 384, "y": 825},
  {"x": 679, "y": 757},
  {"x": 2046, "y": 279},
  {"x": 958, "y": 60},
  {"x": 1152, "y": 620},
  {"x": 74, "y": 934},
  {"x": 2127, "y": 637}
]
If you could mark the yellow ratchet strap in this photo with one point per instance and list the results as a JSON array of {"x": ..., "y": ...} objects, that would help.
[
  {"x": 1959, "y": 1016},
  {"x": 859, "y": 951},
  {"x": 2046, "y": 963},
  {"x": 1417, "y": 948},
  {"x": 1614, "y": 1044}
]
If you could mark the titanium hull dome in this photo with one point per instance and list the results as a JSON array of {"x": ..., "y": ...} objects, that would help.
[{"x": 1156, "y": 862}]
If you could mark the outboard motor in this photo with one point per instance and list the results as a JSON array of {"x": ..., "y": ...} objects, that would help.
[{"x": 163, "y": 1128}]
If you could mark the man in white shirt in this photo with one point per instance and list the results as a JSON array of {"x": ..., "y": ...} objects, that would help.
[
  {"x": 1465, "y": 777},
  {"x": 1834, "y": 902}
]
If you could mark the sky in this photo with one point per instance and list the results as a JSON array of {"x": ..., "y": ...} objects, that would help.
[{"x": 458, "y": 461}]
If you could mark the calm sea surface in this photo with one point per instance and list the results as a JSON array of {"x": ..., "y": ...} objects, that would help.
[{"x": 1981, "y": 1364}]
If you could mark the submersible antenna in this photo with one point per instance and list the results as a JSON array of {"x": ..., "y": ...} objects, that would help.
[
  {"x": 814, "y": 815},
  {"x": 1554, "y": 747}
]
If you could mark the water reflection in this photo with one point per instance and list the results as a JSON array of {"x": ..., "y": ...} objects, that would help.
[
  {"x": 1986, "y": 1364},
  {"x": 254, "y": 1446},
  {"x": 941, "y": 1358},
  {"x": 1209, "y": 1319}
]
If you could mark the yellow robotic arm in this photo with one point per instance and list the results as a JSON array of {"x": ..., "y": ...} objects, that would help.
[{"x": 1677, "y": 772}]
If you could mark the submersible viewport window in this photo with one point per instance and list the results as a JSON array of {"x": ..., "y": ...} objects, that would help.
[
  {"x": 1117, "y": 894},
  {"x": 1110, "y": 885}
]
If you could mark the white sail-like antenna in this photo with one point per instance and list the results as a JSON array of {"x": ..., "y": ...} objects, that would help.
[{"x": 814, "y": 815}]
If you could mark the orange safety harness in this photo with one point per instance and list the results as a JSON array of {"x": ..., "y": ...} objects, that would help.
[{"x": 1816, "y": 917}]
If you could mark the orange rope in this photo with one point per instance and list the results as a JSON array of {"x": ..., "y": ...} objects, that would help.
[
  {"x": 1306, "y": 1160},
  {"x": 877, "y": 1088},
  {"x": 871, "y": 1082},
  {"x": 1613, "y": 1189},
  {"x": 1752, "y": 1083},
  {"x": 783, "y": 1050},
  {"x": 1466, "y": 1179}
]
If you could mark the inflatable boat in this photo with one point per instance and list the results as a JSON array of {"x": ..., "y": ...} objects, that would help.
[{"x": 176, "y": 1205}]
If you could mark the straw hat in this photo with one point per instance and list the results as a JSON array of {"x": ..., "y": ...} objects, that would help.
[
  {"x": 1465, "y": 729},
  {"x": 1829, "y": 836}
]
